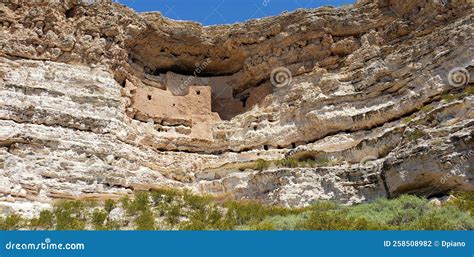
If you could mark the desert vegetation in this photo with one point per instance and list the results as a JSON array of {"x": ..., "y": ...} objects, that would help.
[{"x": 168, "y": 209}]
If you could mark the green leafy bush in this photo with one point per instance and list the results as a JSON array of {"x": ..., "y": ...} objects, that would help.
[
  {"x": 442, "y": 218},
  {"x": 264, "y": 225},
  {"x": 261, "y": 164},
  {"x": 452, "y": 97},
  {"x": 139, "y": 204},
  {"x": 330, "y": 216},
  {"x": 99, "y": 218},
  {"x": 210, "y": 218},
  {"x": 44, "y": 221},
  {"x": 125, "y": 202},
  {"x": 469, "y": 90},
  {"x": 70, "y": 215},
  {"x": 145, "y": 220},
  {"x": 196, "y": 202},
  {"x": 287, "y": 162},
  {"x": 164, "y": 195},
  {"x": 11, "y": 222},
  {"x": 109, "y": 205},
  {"x": 413, "y": 213},
  {"x": 463, "y": 201},
  {"x": 242, "y": 212},
  {"x": 172, "y": 214},
  {"x": 427, "y": 108},
  {"x": 289, "y": 222},
  {"x": 415, "y": 134}
]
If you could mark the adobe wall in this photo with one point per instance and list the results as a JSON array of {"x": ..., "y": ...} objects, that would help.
[
  {"x": 192, "y": 110},
  {"x": 222, "y": 99},
  {"x": 195, "y": 103}
]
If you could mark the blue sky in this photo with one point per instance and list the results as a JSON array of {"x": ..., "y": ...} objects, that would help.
[{"x": 211, "y": 12}]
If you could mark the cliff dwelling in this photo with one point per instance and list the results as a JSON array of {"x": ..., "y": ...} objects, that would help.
[{"x": 187, "y": 104}]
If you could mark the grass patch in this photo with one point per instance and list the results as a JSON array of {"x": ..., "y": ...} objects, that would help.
[
  {"x": 409, "y": 118},
  {"x": 11, "y": 222},
  {"x": 287, "y": 162},
  {"x": 469, "y": 90},
  {"x": 262, "y": 164},
  {"x": 415, "y": 135},
  {"x": 452, "y": 97},
  {"x": 427, "y": 108}
]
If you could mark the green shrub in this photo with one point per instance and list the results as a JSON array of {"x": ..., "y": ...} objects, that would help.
[
  {"x": 427, "y": 108},
  {"x": 409, "y": 118},
  {"x": 411, "y": 212},
  {"x": 70, "y": 215},
  {"x": 164, "y": 195},
  {"x": 194, "y": 224},
  {"x": 209, "y": 218},
  {"x": 415, "y": 134},
  {"x": 44, "y": 221},
  {"x": 323, "y": 161},
  {"x": 11, "y": 222},
  {"x": 452, "y": 97},
  {"x": 109, "y": 205},
  {"x": 196, "y": 202},
  {"x": 288, "y": 222},
  {"x": 309, "y": 163},
  {"x": 125, "y": 202},
  {"x": 463, "y": 201},
  {"x": 264, "y": 225},
  {"x": 469, "y": 90},
  {"x": 243, "y": 212},
  {"x": 145, "y": 220},
  {"x": 261, "y": 164},
  {"x": 442, "y": 218},
  {"x": 140, "y": 203},
  {"x": 287, "y": 162},
  {"x": 330, "y": 216},
  {"x": 173, "y": 214},
  {"x": 99, "y": 218},
  {"x": 391, "y": 213}
]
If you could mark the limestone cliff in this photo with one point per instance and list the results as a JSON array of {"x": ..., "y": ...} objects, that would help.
[{"x": 353, "y": 103}]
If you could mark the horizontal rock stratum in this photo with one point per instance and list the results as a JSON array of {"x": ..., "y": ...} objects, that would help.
[{"x": 353, "y": 103}]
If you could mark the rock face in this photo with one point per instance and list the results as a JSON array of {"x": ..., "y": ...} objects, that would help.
[{"x": 353, "y": 103}]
